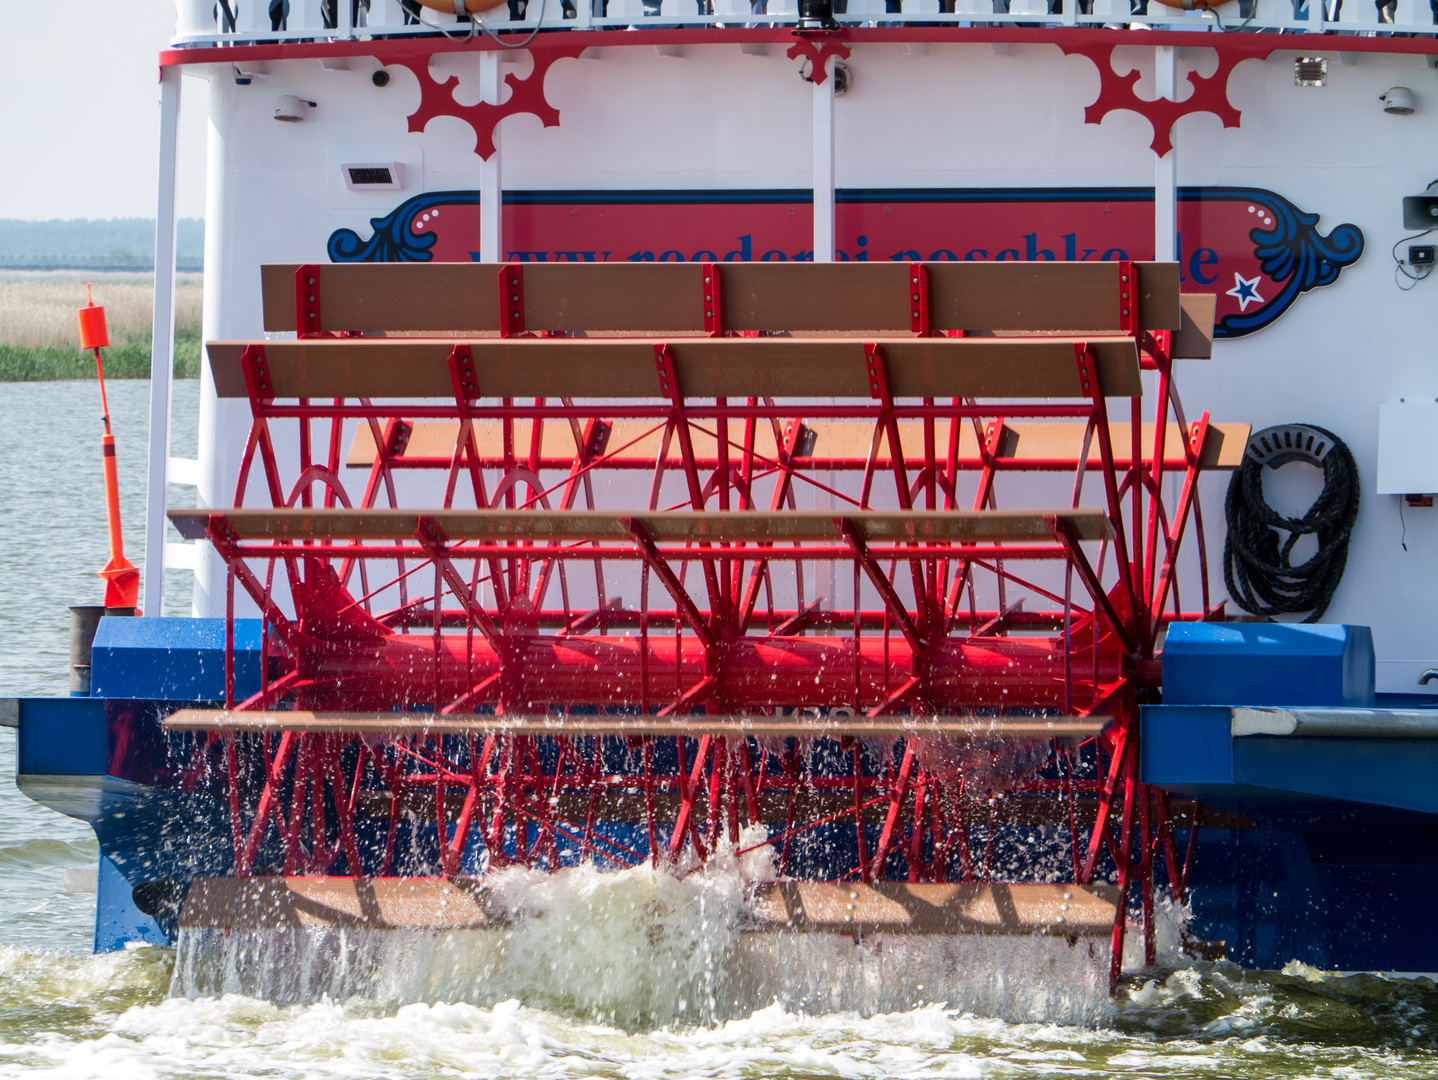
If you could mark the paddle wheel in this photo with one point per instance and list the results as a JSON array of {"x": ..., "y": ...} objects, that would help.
[{"x": 864, "y": 568}]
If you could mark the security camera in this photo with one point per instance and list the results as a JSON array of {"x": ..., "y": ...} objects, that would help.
[{"x": 843, "y": 76}]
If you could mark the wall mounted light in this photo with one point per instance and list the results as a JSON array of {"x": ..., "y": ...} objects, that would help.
[
  {"x": 292, "y": 109},
  {"x": 1398, "y": 101}
]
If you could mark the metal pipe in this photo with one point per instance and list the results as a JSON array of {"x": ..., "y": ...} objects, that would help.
[
  {"x": 789, "y": 672},
  {"x": 1330, "y": 723},
  {"x": 84, "y": 624},
  {"x": 491, "y": 180},
  {"x": 1165, "y": 169},
  {"x": 823, "y": 163},
  {"x": 84, "y": 621},
  {"x": 162, "y": 345}
]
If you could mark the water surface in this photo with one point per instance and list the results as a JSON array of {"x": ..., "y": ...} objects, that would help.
[{"x": 66, "y": 1013}]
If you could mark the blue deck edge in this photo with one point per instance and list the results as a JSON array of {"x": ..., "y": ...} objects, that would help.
[{"x": 1326, "y": 849}]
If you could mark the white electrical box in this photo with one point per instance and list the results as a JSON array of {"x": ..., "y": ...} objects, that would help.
[{"x": 1408, "y": 448}]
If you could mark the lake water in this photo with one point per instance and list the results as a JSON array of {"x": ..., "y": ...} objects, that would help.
[{"x": 66, "y": 1013}]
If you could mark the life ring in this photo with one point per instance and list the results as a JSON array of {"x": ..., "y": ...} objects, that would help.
[
  {"x": 454, "y": 7},
  {"x": 1193, "y": 5}
]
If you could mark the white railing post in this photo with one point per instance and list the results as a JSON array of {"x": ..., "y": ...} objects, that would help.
[
  {"x": 1406, "y": 17},
  {"x": 306, "y": 17},
  {"x": 162, "y": 345},
  {"x": 385, "y": 15},
  {"x": 1165, "y": 169},
  {"x": 491, "y": 183},
  {"x": 197, "y": 19},
  {"x": 823, "y": 165},
  {"x": 252, "y": 18}
]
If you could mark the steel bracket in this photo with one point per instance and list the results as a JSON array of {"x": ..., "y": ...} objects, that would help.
[
  {"x": 511, "y": 300},
  {"x": 713, "y": 298},
  {"x": 919, "y": 299}
]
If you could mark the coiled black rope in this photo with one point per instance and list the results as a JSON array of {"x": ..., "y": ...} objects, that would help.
[{"x": 1256, "y": 568}]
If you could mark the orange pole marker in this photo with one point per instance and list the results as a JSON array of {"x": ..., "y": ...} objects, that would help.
[{"x": 122, "y": 579}]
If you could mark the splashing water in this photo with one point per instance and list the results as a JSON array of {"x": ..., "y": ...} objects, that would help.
[
  {"x": 66, "y": 1013},
  {"x": 109, "y": 1017},
  {"x": 634, "y": 948},
  {"x": 643, "y": 947},
  {"x": 113, "y": 1017}
]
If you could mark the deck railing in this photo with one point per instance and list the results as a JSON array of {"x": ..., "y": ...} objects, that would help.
[{"x": 208, "y": 22}]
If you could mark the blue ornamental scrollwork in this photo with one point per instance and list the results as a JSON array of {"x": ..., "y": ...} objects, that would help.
[
  {"x": 1292, "y": 253},
  {"x": 394, "y": 238}
]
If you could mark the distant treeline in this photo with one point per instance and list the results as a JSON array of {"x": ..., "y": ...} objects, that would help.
[{"x": 84, "y": 244}]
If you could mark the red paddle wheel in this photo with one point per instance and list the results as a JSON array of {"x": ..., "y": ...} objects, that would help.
[{"x": 716, "y": 586}]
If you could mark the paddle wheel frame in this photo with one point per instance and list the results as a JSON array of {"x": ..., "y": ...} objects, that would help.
[{"x": 887, "y": 677}]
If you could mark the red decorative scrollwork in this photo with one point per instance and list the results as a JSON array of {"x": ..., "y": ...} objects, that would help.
[
  {"x": 818, "y": 54},
  {"x": 1116, "y": 94},
  {"x": 526, "y": 95}
]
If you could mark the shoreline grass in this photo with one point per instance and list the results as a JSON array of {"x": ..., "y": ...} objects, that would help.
[
  {"x": 20, "y": 363},
  {"x": 39, "y": 337}
]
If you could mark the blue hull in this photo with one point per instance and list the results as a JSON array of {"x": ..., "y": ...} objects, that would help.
[{"x": 1317, "y": 849}]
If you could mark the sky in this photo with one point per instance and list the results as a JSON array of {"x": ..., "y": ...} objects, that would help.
[{"x": 79, "y": 110}]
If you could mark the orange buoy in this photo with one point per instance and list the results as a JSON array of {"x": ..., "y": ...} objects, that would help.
[
  {"x": 93, "y": 334},
  {"x": 122, "y": 580}
]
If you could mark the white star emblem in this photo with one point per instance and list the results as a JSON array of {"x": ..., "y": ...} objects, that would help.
[{"x": 1245, "y": 291}]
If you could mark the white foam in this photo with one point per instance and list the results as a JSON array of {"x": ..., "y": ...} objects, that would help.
[
  {"x": 643, "y": 948},
  {"x": 1169, "y": 921},
  {"x": 1019, "y": 979}
]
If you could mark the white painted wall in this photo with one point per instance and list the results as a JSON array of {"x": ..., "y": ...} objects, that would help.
[{"x": 956, "y": 116}]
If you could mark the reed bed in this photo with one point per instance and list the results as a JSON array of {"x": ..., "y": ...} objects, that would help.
[{"x": 40, "y": 339}]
